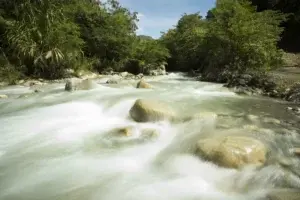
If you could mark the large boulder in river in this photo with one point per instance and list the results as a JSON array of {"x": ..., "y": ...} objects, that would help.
[
  {"x": 232, "y": 151},
  {"x": 143, "y": 84},
  {"x": 3, "y": 96},
  {"x": 151, "y": 111},
  {"x": 77, "y": 84}
]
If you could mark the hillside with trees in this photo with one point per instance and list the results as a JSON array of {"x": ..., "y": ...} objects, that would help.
[{"x": 233, "y": 39}]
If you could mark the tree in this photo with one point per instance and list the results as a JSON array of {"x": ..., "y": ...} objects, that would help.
[
  {"x": 184, "y": 42},
  {"x": 44, "y": 38},
  {"x": 239, "y": 39},
  {"x": 291, "y": 36},
  {"x": 40, "y": 37}
]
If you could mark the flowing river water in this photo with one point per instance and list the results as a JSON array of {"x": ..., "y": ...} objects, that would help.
[{"x": 55, "y": 145}]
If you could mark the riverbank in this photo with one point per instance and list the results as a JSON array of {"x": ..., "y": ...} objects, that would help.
[{"x": 282, "y": 83}]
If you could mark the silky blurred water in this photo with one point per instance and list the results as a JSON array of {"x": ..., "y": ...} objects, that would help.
[{"x": 56, "y": 144}]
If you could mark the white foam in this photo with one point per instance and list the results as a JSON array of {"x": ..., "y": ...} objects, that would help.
[{"x": 58, "y": 149}]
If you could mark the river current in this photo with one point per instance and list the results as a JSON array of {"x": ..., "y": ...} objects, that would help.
[{"x": 55, "y": 145}]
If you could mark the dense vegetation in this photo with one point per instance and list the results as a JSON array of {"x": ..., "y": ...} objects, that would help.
[
  {"x": 291, "y": 36},
  {"x": 234, "y": 38},
  {"x": 43, "y": 38}
]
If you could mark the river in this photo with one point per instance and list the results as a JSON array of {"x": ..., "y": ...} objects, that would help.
[{"x": 54, "y": 145}]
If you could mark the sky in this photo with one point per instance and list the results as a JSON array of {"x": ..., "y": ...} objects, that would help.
[{"x": 160, "y": 15}]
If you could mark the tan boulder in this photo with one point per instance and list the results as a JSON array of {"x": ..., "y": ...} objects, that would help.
[
  {"x": 143, "y": 84},
  {"x": 3, "y": 96},
  {"x": 77, "y": 84},
  {"x": 150, "y": 111},
  {"x": 232, "y": 151}
]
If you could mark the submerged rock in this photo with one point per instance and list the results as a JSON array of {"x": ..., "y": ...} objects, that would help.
[
  {"x": 114, "y": 80},
  {"x": 156, "y": 70},
  {"x": 125, "y": 131},
  {"x": 77, "y": 84},
  {"x": 145, "y": 134},
  {"x": 294, "y": 94},
  {"x": 3, "y": 96},
  {"x": 150, "y": 134},
  {"x": 32, "y": 83},
  {"x": 143, "y": 84},
  {"x": 201, "y": 116},
  {"x": 271, "y": 120},
  {"x": 232, "y": 151},
  {"x": 150, "y": 111}
]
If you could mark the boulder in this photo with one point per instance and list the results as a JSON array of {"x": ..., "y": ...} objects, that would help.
[
  {"x": 125, "y": 131},
  {"x": 3, "y": 96},
  {"x": 108, "y": 71},
  {"x": 140, "y": 75},
  {"x": 33, "y": 83},
  {"x": 293, "y": 94},
  {"x": 115, "y": 79},
  {"x": 124, "y": 74},
  {"x": 155, "y": 70},
  {"x": 69, "y": 72},
  {"x": 20, "y": 82},
  {"x": 143, "y": 84},
  {"x": 77, "y": 84},
  {"x": 232, "y": 151},
  {"x": 112, "y": 81},
  {"x": 38, "y": 91},
  {"x": 70, "y": 85},
  {"x": 150, "y": 111}
]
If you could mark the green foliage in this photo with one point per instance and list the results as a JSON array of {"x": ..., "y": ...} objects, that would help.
[
  {"x": 185, "y": 41},
  {"x": 47, "y": 37},
  {"x": 290, "y": 40},
  {"x": 8, "y": 72},
  {"x": 241, "y": 39},
  {"x": 233, "y": 38},
  {"x": 147, "y": 54}
]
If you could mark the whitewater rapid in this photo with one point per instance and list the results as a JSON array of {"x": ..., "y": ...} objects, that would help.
[{"x": 56, "y": 145}]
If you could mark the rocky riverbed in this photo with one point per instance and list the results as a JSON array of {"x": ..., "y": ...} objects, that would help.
[{"x": 130, "y": 138}]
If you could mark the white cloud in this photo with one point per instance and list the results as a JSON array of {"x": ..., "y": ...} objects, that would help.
[{"x": 150, "y": 25}]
